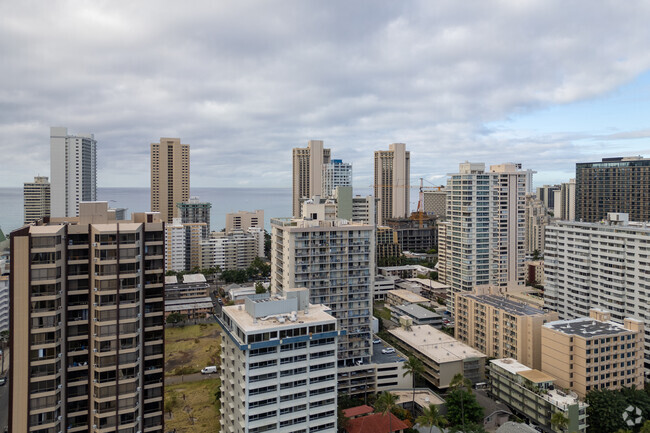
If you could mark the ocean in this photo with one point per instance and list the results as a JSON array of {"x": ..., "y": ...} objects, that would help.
[{"x": 276, "y": 202}]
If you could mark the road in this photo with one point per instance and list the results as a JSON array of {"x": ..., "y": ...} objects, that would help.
[
  {"x": 4, "y": 394},
  {"x": 174, "y": 380}
]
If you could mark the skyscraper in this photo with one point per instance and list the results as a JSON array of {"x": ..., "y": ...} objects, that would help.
[
  {"x": 482, "y": 241},
  {"x": 170, "y": 177},
  {"x": 36, "y": 199},
  {"x": 565, "y": 201},
  {"x": 87, "y": 341},
  {"x": 308, "y": 173},
  {"x": 619, "y": 184},
  {"x": 73, "y": 171},
  {"x": 336, "y": 173},
  {"x": 196, "y": 211},
  {"x": 392, "y": 182}
]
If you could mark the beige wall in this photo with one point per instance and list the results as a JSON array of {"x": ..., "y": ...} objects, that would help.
[
  {"x": 20, "y": 333},
  {"x": 164, "y": 198}
]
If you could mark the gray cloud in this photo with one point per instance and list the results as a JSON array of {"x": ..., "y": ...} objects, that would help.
[{"x": 244, "y": 82}]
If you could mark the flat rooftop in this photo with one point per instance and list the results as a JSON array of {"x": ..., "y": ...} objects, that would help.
[
  {"x": 428, "y": 283},
  {"x": 417, "y": 311},
  {"x": 407, "y": 295},
  {"x": 316, "y": 314},
  {"x": 508, "y": 305},
  {"x": 384, "y": 358},
  {"x": 586, "y": 327},
  {"x": 435, "y": 344},
  {"x": 423, "y": 397},
  {"x": 536, "y": 376},
  {"x": 510, "y": 365},
  {"x": 188, "y": 303}
]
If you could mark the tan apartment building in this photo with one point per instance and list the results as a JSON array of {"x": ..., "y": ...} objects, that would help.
[
  {"x": 87, "y": 341},
  {"x": 392, "y": 182},
  {"x": 36, "y": 199},
  {"x": 243, "y": 220},
  {"x": 593, "y": 352},
  {"x": 405, "y": 297},
  {"x": 308, "y": 173},
  {"x": 170, "y": 177},
  {"x": 442, "y": 355},
  {"x": 501, "y": 327}
]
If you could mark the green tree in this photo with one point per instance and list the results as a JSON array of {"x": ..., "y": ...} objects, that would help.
[
  {"x": 415, "y": 368},
  {"x": 536, "y": 255},
  {"x": 645, "y": 428},
  {"x": 462, "y": 407},
  {"x": 342, "y": 421},
  {"x": 259, "y": 288},
  {"x": 385, "y": 404},
  {"x": 559, "y": 421},
  {"x": 431, "y": 418},
  {"x": 175, "y": 318}
]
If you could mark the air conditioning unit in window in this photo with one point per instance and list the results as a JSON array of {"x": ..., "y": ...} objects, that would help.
[{"x": 94, "y": 244}]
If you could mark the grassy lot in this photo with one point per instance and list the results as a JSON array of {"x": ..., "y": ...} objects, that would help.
[
  {"x": 380, "y": 311},
  {"x": 198, "y": 412},
  {"x": 190, "y": 348}
]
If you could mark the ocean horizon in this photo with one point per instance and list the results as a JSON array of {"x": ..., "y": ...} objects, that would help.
[{"x": 276, "y": 202}]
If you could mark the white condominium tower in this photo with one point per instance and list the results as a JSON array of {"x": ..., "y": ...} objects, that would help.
[
  {"x": 336, "y": 173},
  {"x": 73, "y": 171},
  {"x": 482, "y": 241},
  {"x": 308, "y": 172},
  {"x": 335, "y": 260},
  {"x": 392, "y": 182},
  {"x": 278, "y": 365},
  {"x": 599, "y": 265}
]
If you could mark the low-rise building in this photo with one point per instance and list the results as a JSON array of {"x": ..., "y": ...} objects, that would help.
[
  {"x": 278, "y": 365},
  {"x": 382, "y": 286},
  {"x": 593, "y": 352},
  {"x": 418, "y": 315},
  {"x": 442, "y": 355},
  {"x": 535, "y": 272},
  {"x": 404, "y": 271},
  {"x": 501, "y": 327},
  {"x": 193, "y": 286},
  {"x": 192, "y": 308},
  {"x": 431, "y": 289},
  {"x": 532, "y": 394},
  {"x": 405, "y": 297},
  {"x": 423, "y": 398}
]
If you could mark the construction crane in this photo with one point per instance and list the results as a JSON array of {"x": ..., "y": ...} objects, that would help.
[{"x": 419, "y": 214}]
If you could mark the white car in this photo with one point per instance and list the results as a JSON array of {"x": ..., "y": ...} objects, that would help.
[
  {"x": 209, "y": 369},
  {"x": 388, "y": 350}
]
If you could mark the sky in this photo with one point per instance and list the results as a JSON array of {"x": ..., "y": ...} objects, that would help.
[{"x": 541, "y": 82}]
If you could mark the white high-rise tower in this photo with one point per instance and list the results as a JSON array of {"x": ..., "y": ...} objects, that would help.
[{"x": 73, "y": 171}]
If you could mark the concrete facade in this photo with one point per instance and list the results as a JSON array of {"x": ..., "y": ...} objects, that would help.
[
  {"x": 36, "y": 199},
  {"x": 195, "y": 211},
  {"x": 87, "y": 342},
  {"x": 308, "y": 173},
  {"x": 73, "y": 171},
  {"x": 243, "y": 220},
  {"x": 170, "y": 177},
  {"x": 565, "y": 201},
  {"x": 393, "y": 182}
]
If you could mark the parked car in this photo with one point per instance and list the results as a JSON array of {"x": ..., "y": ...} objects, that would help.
[
  {"x": 377, "y": 341},
  {"x": 209, "y": 369},
  {"x": 388, "y": 350},
  {"x": 3, "y": 380}
]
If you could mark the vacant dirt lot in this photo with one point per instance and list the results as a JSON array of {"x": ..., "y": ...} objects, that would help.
[
  {"x": 194, "y": 407},
  {"x": 190, "y": 348}
]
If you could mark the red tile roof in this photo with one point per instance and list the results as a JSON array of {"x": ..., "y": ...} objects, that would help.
[
  {"x": 356, "y": 411},
  {"x": 376, "y": 423}
]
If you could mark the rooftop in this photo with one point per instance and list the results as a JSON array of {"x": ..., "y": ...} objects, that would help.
[
  {"x": 428, "y": 283},
  {"x": 316, "y": 314},
  {"x": 188, "y": 303},
  {"x": 357, "y": 410},
  {"x": 586, "y": 327},
  {"x": 194, "y": 278},
  {"x": 536, "y": 376},
  {"x": 505, "y": 304},
  {"x": 423, "y": 397},
  {"x": 435, "y": 344},
  {"x": 510, "y": 365},
  {"x": 408, "y": 296},
  {"x": 375, "y": 423},
  {"x": 416, "y": 311}
]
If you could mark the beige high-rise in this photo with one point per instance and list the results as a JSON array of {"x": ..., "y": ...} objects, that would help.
[
  {"x": 36, "y": 197},
  {"x": 170, "y": 177},
  {"x": 392, "y": 182},
  {"x": 308, "y": 173},
  {"x": 87, "y": 342},
  {"x": 243, "y": 220}
]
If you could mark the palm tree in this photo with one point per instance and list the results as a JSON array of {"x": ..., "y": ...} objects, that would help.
[
  {"x": 414, "y": 367},
  {"x": 431, "y": 417},
  {"x": 461, "y": 383},
  {"x": 559, "y": 421},
  {"x": 386, "y": 402}
]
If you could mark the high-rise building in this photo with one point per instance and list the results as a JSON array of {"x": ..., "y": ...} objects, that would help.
[
  {"x": 393, "y": 182},
  {"x": 308, "y": 173},
  {"x": 619, "y": 184},
  {"x": 536, "y": 218},
  {"x": 195, "y": 211},
  {"x": 278, "y": 365},
  {"x": 482, "y": 241},
  {"x": 36, "y": 196},
  {"x": 234, "y": 250},
  {"x": 435, "y": 203},
  {"x": 170, "y": 177},
  {"x": 73, "y": 171},
  {"x": 243, "y": 220},
  {"x": 4, "y": 303},
  {"x": 183, "y": 245},
  {"x": 591, "y": 353},
  {"x": 565, "y": 201},
  {"x": 335, "y": 260},
  {"x": 501, "y": 327},
  {"x": 336, "y": 173},
  {"x": 599, "y": 265},
  {"x": 546, "y": 194},
  {"x": 87, "y": 341}
]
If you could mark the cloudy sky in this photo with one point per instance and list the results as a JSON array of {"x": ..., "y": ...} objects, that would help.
[{"x": 546, "y": 83}]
